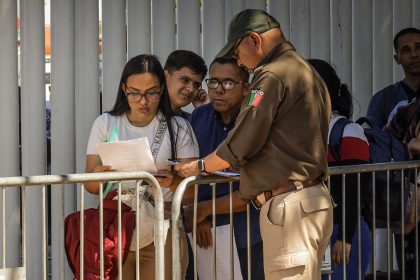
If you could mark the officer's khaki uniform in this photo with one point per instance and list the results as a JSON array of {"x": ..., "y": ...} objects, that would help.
[{"x": 280, "y": 137}]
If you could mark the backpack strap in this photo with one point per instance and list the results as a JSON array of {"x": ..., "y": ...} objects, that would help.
[
  {"x": 336, "y": 135},
  {"x": 365, "y": 120},
  {"x": 389, "y": 99},
  {"x": 157, "y": 140}
]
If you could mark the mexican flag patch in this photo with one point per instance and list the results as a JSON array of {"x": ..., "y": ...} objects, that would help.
[{"x": 256, "y": 96}]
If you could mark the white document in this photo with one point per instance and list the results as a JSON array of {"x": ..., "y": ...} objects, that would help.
[
  {"x": 130, "y": 155},
  {"x": 223, "y": 262}
]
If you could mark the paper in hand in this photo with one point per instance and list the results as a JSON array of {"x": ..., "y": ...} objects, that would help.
[{"x": 129, "y": 155}]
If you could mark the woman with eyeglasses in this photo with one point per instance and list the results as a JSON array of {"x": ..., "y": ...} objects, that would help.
[{"x": 142, "y": 109}]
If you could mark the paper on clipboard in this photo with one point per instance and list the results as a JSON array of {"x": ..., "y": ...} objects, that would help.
[{"x": 129, "y": 155}]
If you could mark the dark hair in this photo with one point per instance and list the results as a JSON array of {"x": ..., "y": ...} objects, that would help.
[
  {"x": 341, "y": 99},
  {"x": 146, "y": 63},
  {"x": 403, "y": 32},
  {"x": 230, "y": 60},
  {"x": 183, "y": 58}
]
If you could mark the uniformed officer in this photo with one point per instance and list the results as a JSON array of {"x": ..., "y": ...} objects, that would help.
[{"x": 279, "y": 145}]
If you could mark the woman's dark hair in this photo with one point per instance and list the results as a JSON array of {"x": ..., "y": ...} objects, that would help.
[
  {"x": 146, "y": 63},
  {"x": 341, "y": 99}
]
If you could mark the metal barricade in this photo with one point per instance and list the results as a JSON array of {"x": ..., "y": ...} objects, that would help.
[
  {"x": 44, "y": 181},
  {"x": 341, "y": 171},
  {"x": 176, "y": 219},
  {"x": 374, "y": 169}
]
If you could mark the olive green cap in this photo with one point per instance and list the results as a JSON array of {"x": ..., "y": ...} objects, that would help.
[{"x": 244, "y": 23}]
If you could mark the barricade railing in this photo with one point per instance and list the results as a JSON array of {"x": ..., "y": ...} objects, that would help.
[
  {"x": 212, "y": 180},
  {"x": 373, "y": 169},
  {"x": 45, "y": 181},
  {"x": 177, "y": 219},
  {"x": 390, "y": 169}
]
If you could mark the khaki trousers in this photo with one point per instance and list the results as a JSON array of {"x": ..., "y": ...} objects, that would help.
[
  {"x": 147, "y": 260},
  {"x": 296, "y": 228}
]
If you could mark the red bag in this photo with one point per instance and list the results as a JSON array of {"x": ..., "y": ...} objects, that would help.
[{"x": 91, "y": 243}]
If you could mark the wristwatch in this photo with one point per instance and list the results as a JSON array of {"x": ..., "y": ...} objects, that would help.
[{"x": 201, "y": 167}]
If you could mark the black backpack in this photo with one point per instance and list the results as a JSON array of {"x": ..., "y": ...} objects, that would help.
[{"x": 383, "y": 148}]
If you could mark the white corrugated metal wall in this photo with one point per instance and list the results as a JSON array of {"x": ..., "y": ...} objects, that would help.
[{"x": 356, "y": 36}]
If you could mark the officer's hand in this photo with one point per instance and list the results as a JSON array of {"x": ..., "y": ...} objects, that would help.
[{"x": 187, "y": 169}]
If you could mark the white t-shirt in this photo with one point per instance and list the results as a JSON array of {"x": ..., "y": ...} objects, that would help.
[{"x": 186, "y": 143}]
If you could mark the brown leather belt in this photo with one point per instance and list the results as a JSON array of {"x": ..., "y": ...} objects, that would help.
[{"x": 262, "y": 198}]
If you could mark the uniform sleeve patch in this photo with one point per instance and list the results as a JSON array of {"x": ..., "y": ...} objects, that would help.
[{"x": 255, "y": 99}]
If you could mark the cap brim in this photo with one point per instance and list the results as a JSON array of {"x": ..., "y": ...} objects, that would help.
[{"x": 227, "y": 50}]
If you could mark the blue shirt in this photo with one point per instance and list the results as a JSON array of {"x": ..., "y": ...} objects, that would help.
[
  {"x": 380, "y": 105},
  {"x": 211, "y": 131}
]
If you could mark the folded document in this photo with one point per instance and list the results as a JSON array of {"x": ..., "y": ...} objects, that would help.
[{"x": 129, "y": 155}]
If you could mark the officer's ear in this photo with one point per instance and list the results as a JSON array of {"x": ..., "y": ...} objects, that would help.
[{"x": 256, "y": 40}]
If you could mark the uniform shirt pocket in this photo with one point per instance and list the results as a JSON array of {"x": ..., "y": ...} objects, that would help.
[{"x": 313, "y": 204}]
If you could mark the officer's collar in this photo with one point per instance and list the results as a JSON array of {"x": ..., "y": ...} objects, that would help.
[{"x": 276, "y": 52}]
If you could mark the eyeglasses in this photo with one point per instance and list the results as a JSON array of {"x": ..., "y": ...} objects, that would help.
[
  {"x": 235, "y": 54},
  {"x": 226, "y": 84},
  {"x": 135, "y": 97}
]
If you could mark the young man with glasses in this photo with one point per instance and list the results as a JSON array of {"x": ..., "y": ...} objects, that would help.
[
  {"x": 227, "y": 85},
  {"x": 184, "y": 73},
  {"x": 279, "y": 145}
]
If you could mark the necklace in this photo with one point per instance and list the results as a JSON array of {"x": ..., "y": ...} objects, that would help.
[{"x": 136, "y": 123}]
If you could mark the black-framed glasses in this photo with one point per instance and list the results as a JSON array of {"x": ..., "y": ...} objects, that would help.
[
  {"x": 227, "y": 84},
  {"x": 135, "y": 97},
  {"x": 234, "y": 53}
]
